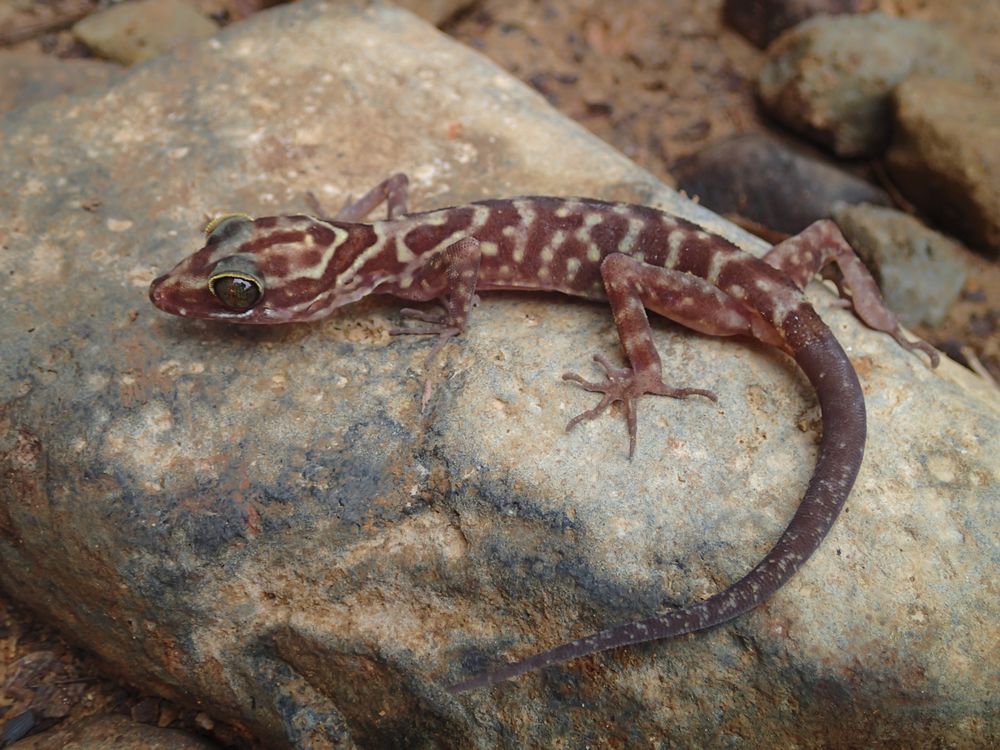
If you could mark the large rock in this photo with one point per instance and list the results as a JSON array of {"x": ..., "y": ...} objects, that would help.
[
  {"x": 263, "y": 522},
  {"x": 831, "y": 78},
  {"x": 945, "y": 156}
]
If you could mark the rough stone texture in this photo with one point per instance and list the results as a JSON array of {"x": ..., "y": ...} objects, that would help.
[
  {"x": 137, "y": 31},
  {"x": 761, "y": 179},
  {"x": 761, "y": 21},
  {"x": 945, "y": 156},
  {"x": 920, "y": 271},
  {"x": 262, "y": 520},
  {"x": 27, "y": 78},
  {"x": 113, "y": 732},
  {"x": 831, "y": 79}
]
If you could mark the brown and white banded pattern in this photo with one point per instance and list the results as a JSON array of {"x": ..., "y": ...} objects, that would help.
[{"x": 300, "y": 268}]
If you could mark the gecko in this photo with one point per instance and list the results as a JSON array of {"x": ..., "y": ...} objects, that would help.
[{"x": 284, "y": 269}]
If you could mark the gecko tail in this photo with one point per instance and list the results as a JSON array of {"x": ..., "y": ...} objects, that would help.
[
  {"x": 682, "y": 621},
  {"x": 841, "y": 451}
]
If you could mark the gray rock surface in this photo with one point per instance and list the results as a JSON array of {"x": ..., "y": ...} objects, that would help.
[
  {"x": 945, "y": 156},
  {"x": 26, "y": 78},
  {"x": 262, "y": 520},
  {"x": 919, "y": 270},
  {"x": 831, "y": 78}
]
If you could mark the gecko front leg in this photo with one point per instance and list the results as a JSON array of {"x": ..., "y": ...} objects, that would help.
[
  {"x": 454, "y": 272},
  {"x": 393, "y": 190},
  {"x": 632, "y": 286}
]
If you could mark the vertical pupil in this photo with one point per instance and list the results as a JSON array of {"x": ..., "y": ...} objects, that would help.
[{"x": 236, "y": 293}]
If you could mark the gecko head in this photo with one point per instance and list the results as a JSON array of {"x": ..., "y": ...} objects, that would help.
[{"x": 275, "y": 269}]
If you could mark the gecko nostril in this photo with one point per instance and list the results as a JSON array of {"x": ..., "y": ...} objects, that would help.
[{"x": 154, "y": 288}]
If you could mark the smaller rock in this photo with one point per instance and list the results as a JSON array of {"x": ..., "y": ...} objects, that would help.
[
  {"x": 945, "y": 156},
  {"x": 759, "y": 178},
  {"x": 435, "y": 11},
  {"x": 114, "y": 732},
  {"x": 133, "y": 32},
  {"x": 831, "y": 79},
  {"x": 17, "y": 727},
  {"x": 204, "y": 721},
  {"x": 146, "y": 711},
  {"x": 761, "y": 21},
  {"x": 920, "y": 271}
]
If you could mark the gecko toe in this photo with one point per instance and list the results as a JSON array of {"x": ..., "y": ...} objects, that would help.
[
  {"x": 932, "y": 355},
  {"x": 685, "y": 392},
  {"x": 436, "y": 317}
]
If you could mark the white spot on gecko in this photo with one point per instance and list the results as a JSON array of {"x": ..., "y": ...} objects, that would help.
[
  {"x": 674, "y": 242},
  {"x": 716, "y": 266},
  {"x": 572, "y": 266},
  {"x": 436, "y": 219},
  {"x": 628, "y": 241}
]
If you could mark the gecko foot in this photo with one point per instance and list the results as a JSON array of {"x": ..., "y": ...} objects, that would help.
[
  {"x": 436, "y": 324},
  {"x": 878, "y": 317},
  {"x": 625, "y": 385}
]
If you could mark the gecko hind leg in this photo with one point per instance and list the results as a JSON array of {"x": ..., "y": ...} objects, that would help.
[
  {"x": 821, "y": 243},
  {"x": 632, "y": 286}
]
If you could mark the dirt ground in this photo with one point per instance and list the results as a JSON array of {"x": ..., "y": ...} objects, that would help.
[{"x": 658, "y": 79}]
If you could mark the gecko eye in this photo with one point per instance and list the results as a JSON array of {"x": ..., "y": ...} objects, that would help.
[
  {"x": 223, "y": 225},
  {"x": 236, "y": 284},
  {"x": 238, "y": 293}
]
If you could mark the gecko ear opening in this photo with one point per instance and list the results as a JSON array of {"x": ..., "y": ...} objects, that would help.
[
  {"x": 223, "y": 225},
  {"x": 235, "y": 283}
]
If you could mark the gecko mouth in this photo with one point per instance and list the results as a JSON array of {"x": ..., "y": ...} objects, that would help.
[{"x": 160, "y": 295}]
